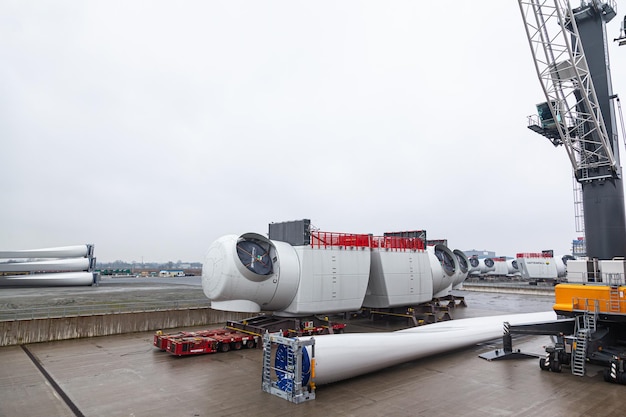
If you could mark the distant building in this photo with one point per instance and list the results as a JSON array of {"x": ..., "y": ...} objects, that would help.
[{"x": 172, "y": 273}]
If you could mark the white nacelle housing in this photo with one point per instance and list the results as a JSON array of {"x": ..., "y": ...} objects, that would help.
[
  {"x": 398, "y": 278},
  {"x": 500, "y": 267},
  {"x": 463, "y": 268},
  {"x": 512, "y": 267},
  {"x": 474, "y": 266},
  {"x": 537, "y": 266},
  {"x": 486, "y": 265},
  {"x": 561, "y": 269},
  {"x": 333, "y": 279},
  {"x": 323, "y": 273},
  {"x": 251, "y": 273},
  {"x": 443, "y": 264}
]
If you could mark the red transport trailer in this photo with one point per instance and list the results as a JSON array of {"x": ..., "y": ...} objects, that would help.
[
  {"x": 160, "y": 338},
  {"x": 241, "y": 334},
  {"x": 204, "y": 341}
]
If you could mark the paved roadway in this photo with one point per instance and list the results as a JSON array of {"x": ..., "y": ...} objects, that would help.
[{"x": 125, "y": 376}]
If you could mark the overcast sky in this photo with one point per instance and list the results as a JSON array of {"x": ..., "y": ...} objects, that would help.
[{"x": 152, "y": 128}]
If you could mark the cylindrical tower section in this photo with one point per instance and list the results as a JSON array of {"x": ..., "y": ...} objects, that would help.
[
  {"x": 603, "y": 201},
  {"x": 605, "y": 224}
]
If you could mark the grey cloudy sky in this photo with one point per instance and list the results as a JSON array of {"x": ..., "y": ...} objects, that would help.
[{"x": 152, "y": 128}]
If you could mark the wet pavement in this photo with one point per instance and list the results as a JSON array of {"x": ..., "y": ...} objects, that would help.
[{"x": 125, "y": 375}]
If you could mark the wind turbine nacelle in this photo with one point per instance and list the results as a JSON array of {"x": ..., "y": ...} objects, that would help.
[
  {"x": 444, "y": 265},
  {"x": 251, "y": 273},
  {"x": 561, "y": 268},
  {"x": 463, "y": 268},
  {"x": 537, "y": 266},
  {"x": 333, "y": 279},
  {"x": 486, "y": 265},
  {"x": 399, "y": 278},
  {"x": 512, "y": 266},
  {"x": 474, "y": 266},
  {"x": 500, "y": 267}
]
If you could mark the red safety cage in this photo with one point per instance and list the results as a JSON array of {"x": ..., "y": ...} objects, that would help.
[
  {"x": 350, "y": 240},
  {"x": 397, "y": 243},
  {"x": 330, "y": 239}
]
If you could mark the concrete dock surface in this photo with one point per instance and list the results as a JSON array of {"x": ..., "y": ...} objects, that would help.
[{"x": 125, "y": 375}]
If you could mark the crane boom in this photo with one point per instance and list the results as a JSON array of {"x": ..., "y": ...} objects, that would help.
[{"x": 568, "y": 87}]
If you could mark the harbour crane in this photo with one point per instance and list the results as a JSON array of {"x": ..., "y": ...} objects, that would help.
[
  {"x": 569, "y": 48},
  {"x": 570, "y": 51}
]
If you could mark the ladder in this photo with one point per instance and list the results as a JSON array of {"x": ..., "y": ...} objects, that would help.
[
  {"x": 585, "y": 326},
  {"x": 267, "y": 363},
  {"x": 614, "y": 299},
  {"x": 579, "y": 355},
  {"x": 290, "y": 369},
  {"x": 589, "y": 321},
  {"x": 614, "y": 293}
]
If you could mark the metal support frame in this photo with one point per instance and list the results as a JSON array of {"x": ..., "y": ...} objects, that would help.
[
  {"x": 551, "y": 328},
  {"x": 507, "y": 351},
  {"x": 287, "y": 382}
]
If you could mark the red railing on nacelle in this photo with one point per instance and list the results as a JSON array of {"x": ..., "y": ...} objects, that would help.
[
  {"x": 397, "y": 243},
  {"x": 533, "y": 255},
  {"x": 330, "y": 239}
]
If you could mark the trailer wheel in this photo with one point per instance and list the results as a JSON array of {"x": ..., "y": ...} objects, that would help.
[
  {"x": 555, "y": 366},
  {"x": 542, "y": 364},
  {"x": 237, "y": 345},
  {"x": 607, "y": 375},
  {"x": 249, "y": 344},
  {"x": 225, "y": 347}
]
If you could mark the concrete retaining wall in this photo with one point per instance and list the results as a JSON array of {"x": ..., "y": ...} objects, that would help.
[{"x": 51, "y": 329}]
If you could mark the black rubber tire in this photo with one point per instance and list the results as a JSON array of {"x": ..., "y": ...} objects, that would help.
[
  {"x": 542, "y": 364},
  {"x": 237, "y": 345},
  {"x": 225, "y": 347},
  {"x": 249, "y": 344}
]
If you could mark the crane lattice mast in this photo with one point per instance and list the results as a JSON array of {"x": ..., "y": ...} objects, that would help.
[{"x": 576, "y": 120}]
